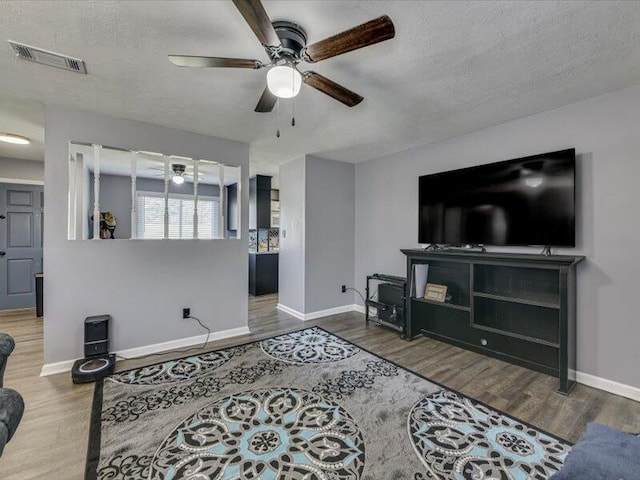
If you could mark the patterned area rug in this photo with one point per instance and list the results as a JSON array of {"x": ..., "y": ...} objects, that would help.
[{"x": 306, "y": 405}]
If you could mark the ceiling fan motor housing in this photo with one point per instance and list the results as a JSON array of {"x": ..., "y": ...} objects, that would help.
[
  {"x": 293, "y": 39},
  {"x": 178, "y": 168}
]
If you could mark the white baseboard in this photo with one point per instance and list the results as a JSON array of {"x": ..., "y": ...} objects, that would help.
[
  {"x": 610, "y": 386},
  {"x": 290, "y": 311},
  {"x": 65, "y": 366},
  {"x": 319, "y": 313},
  {"x": 327, "y": 312},
  {"x": 358, "y": 308},
  {"x": 56, "y": 367}
]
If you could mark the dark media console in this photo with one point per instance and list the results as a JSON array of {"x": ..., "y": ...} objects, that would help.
[{"x": 520, "y": 308}]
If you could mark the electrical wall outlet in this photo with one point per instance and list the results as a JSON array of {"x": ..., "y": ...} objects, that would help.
[
  {"x": 186, "y": 312},
  {"x": 344, "y": 289}
]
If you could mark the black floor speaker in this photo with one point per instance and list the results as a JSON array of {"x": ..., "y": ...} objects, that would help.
[
  {"x": 393, "y": 297},
  {"x": 97, "y": 362}
]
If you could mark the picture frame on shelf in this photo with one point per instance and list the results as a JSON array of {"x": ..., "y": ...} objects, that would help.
[{"x": 435, "y": 292}]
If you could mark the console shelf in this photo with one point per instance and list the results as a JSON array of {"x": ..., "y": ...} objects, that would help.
[
  {"x": 516, "y": 335},
  {"x": 516, "y": 307},
  {"x": 443, "y": 304},
  {"x": 548, "y": 304}
]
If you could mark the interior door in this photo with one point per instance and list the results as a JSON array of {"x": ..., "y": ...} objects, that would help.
[{"x": 21, "y": 219}]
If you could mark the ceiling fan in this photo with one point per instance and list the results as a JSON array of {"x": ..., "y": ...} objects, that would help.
[
  {"x": 286, "y": 45},
  {"x": 179, "y": 172}
]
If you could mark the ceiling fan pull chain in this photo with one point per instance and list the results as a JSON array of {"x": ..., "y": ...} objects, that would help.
[
  {"x": 293, "y": 98},
  {"x": 278, "y": 119},
  {"x": 293, "y": 112}
]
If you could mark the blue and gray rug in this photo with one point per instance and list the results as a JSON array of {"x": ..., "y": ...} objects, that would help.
[{"x": 303, "y": 406}]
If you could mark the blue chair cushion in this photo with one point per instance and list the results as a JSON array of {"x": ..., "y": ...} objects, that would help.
[{"x": 603, "y": 453}]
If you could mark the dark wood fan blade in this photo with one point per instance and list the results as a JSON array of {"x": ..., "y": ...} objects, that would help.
[
  {"x": 267, "y": 101},
  {"x": 331, "y": 88},
  {"x": 208, "y": 62},
  {"x": 257, "y": 18},
  {"x": 370, "y": 33}
]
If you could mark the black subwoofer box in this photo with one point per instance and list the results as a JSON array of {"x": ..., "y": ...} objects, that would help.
[{"x": 393, "y": 296}]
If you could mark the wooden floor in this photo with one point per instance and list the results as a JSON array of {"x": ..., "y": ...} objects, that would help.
[{"x": 51, "y": 441}]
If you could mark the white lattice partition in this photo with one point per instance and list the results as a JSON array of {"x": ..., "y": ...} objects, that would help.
[
  {"x": 196, "y": 168},
  {"x": 134, "y": 192},
  {"x": 166, "y": 196},
  {"x": 222, "y": 218},
  {"x": 73, "y": 195},
  {"x": 97, "y": 152}
]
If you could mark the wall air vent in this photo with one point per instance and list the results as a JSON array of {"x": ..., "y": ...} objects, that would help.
[{"x": 45, "y": 57}]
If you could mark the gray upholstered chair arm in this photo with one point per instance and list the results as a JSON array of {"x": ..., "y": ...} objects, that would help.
[
  {"x": 7, "y": 344},
  {"x": 4, "y": 437},
  {"x": 11, "y": 410}
]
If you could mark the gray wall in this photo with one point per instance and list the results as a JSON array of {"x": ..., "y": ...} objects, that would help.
[
  {"x": 329, "y": 233},
  {"x": 18, "y": 169},
  {"x": 292, "y": 225},
  {"x": 142, "y": 284},
  {"x": 115, "y": 197},
  {"x": 317, "y": 233},
  {"x": 604, "y": 130}
]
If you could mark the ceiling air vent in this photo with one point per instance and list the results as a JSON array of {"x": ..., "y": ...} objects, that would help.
[{"x": 45, "y": 57}]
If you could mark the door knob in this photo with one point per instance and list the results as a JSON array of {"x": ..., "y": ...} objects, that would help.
[
  {"x": 2, "y": 217},
  {"x": 3, "y": 253}
]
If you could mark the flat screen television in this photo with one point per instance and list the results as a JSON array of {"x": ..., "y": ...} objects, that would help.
[{"x": 527, "y": 201}]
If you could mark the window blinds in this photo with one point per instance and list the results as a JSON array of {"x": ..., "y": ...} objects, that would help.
[{"x": 150, "y": 207}]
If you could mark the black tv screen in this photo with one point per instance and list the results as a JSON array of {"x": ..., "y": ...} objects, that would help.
[{"x": 527, "y": 201}]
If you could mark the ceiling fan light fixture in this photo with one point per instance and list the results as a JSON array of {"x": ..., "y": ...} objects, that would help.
[
  {"x": 178, "y": 179},
  {"x": 14, "y": 139},
  {"x": 284, "y": 81},
  {"x": 178, "y": 173}
]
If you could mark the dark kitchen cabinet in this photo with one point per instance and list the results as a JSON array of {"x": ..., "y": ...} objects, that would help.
[
  {"x": 263, "y": 273},
  {"x": 259, "y": 202}
]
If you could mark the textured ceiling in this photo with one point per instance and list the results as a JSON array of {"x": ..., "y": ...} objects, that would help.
[{"x": 454, "y": 67}]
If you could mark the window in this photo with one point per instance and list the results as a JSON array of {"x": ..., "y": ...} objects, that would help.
[{"x": 150, "y": 206}]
